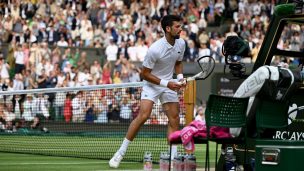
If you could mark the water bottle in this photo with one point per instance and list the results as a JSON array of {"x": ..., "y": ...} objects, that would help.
[
  {"x": 178, "y": 162},
  {"x": 252, "y": 163},
  {"x": 164, "y": 161},
  {"x": 190, "y": 162},
  {"x": 147, "y": 161},
  {"x": 230, "y": 159},
  {"x": 161, "y": 161}
]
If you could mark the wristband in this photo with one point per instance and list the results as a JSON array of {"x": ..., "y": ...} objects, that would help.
[
  {"x": 164, "y": 83},
  {"x": 179, "y": 77}
]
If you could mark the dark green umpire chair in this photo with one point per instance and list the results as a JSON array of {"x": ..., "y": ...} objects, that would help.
[{"x": 271, "y": 116}]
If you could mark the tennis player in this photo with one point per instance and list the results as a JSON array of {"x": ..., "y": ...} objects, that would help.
[{"x": 163, "y": 57}]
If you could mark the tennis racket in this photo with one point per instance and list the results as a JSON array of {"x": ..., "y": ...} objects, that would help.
[{"x": 206, "y": 64}]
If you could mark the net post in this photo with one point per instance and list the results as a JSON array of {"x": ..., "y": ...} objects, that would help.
[{"x": 189, "y": 100}]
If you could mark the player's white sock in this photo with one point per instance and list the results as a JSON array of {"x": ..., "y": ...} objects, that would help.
[
  {"x": 124, "y": 146},
  {"x": 173, "y": 151}
]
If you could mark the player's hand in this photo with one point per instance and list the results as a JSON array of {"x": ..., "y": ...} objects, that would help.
[
  {"x": 183, "y": 82},
  {"x": 175, "y": 86}
]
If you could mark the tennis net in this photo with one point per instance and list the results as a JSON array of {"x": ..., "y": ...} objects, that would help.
[{"x": 87, "y": 121}]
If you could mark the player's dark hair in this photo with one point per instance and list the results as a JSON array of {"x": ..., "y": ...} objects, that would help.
[{"x": 168, "y": 21}]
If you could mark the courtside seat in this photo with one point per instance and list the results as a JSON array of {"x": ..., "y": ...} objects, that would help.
[{"x": 226, "y": 112}]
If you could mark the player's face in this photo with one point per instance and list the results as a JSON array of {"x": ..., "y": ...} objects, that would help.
[{"x": 176, "y": 29}]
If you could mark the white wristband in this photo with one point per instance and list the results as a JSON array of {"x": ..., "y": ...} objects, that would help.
[
  {"x": 164, "y": 83},
  {"x": 179, "y": 77}
]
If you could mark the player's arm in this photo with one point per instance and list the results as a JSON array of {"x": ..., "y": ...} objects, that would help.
[
  {"x": 148, "y": 76},
  {"x": 179, "y": 72},
  {"x": 179, "y": 67}
]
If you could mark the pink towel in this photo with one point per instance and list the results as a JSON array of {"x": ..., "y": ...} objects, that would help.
[
  {"x": 200, "y": 125},
  {"x": 175, "y": 137},
  {"x": 187, "y": 134},
  {"x": 197, "y": 129},
  {"x": 219, "y": 132}
]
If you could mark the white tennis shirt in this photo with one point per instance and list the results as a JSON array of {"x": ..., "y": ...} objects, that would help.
[{"x": 162, "y": 56}]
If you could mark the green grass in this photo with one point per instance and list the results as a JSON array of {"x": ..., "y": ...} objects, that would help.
[
  {"x": 79, "y": 153},
  {"x": 27, "y": 162},
  {"x": 80, "y": 146}
]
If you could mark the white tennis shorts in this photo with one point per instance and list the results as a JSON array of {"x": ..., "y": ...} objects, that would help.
[{"x": 155, "y": 92}]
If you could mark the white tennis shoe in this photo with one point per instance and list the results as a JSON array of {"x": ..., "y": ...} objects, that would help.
[{"x": 115, "y": 160}]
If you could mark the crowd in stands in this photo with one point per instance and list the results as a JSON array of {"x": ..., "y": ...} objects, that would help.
[
  {"x": 42, "y": 33},
  {"x": 119, "y": 105}
]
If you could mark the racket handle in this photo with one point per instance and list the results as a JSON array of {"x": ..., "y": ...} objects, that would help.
[
  {"x": 184, "y": 82},
  {"x": 190, "y": 79}
]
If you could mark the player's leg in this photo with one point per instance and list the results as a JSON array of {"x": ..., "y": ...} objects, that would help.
[
  {"x": 144, "y": 113},
  {"x": 170, "y": 102},
  {"x": 171, "y": 109}
]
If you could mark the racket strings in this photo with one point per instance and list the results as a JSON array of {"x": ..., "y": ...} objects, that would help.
[
  {"x": 206, "y": 64},
  {"x": 207, "y": 68}
]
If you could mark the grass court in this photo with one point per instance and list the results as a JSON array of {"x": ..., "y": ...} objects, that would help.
[{"x": 41, "y": 153}]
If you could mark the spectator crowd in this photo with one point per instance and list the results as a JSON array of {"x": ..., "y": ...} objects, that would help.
[{"x": 47, "y": 40}]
